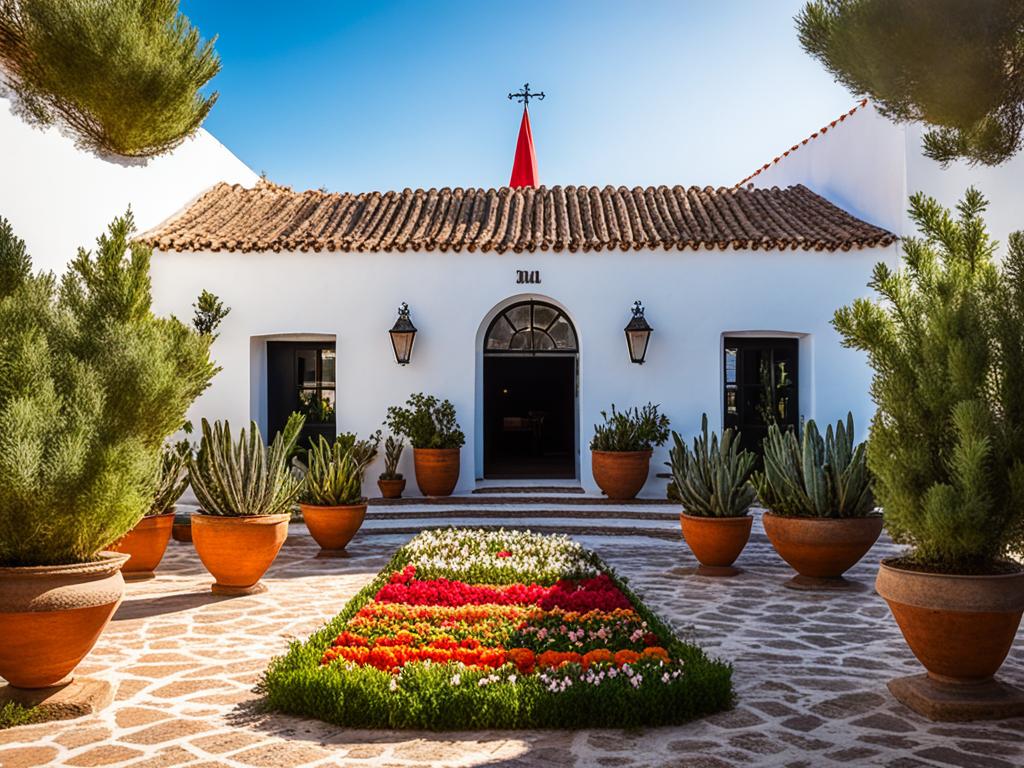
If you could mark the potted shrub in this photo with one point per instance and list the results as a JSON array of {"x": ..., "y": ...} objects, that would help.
[
  {"x": 946, "y": 343},
  {"x": 431, "y": 428},
  {"x": 91, "y": 385},
  {"x": 245, "y": 492},
  {"x": 820, "y": 514},
  {"x": 713, "y": 484},
  {"x": 391, "y": 482},
  {"x": 147, "y": 541},
  {"x": 332, "y": 500},
  {"x": 620, "y": 451}
]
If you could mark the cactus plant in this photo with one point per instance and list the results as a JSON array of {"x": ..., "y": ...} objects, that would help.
[
  {"x": 245, "y": 478},
  {"x": 815, "y": 477},
  {"x": 393, "y": 448},
  {"x": 713, "y": 479},
  {"x": 173, "y": 477},
  {"x": 335, "y": 475}
]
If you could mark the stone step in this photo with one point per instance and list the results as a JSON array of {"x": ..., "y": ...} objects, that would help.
[
  {"x": 533, "y": 490},
  {"x": 514, "y": 512},
  {"x": 547, "y": 526},
  {"x": 514, "y": 498}
]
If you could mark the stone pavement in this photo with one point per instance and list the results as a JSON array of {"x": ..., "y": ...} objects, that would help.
[{"x": 810, "y": 674}]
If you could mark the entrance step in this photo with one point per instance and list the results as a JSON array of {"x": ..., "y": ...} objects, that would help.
[
  {"x": 475, "y": 499},
  {"x": 567, "y": 527},
  {"x": 533, "y": 490}
]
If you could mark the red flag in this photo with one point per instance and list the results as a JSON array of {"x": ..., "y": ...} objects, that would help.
[{"x": 524, "y": 167}]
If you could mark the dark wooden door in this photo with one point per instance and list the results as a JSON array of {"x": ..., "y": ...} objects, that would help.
[
  {"x": 760, "y": 387},
  {"x": 301, "y": 377}
]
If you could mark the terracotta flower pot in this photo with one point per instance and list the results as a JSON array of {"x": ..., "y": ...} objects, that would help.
[
  {"x": 238, "y": 550},
  {"x": 620, "y": 474},
  {"x": 391, "y": 489},
  {"x": 146, "y": 543},
  {"x": 716, "y": 542},
  {"x": 182, "y": 530},
  {"x": 52, "y": 615},
  {"x": 437, "y": 470},
  {"x": 821, "y": 549},
  {"x": 333, "y": 527},
  {"x": 961, "y": 629}
]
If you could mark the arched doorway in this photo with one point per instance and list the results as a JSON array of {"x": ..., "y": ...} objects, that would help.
[{"x": 529, "y": 393}]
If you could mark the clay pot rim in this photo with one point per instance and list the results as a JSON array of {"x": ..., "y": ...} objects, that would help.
[
  {"x": 362, "y": 503},
  {"x": 250, "y": 519},
  {"x": 438, "y": 450},
  {"x": 106, "y": 561},
  {"x": 815, "y": 519},
  {"x": 730, "y": 518},
  {"x": 398, "y": 479},
  {"x": 967, "y": 593},
  {"x": 162, "y": 516},
  {"x": 648, "y": 452}
]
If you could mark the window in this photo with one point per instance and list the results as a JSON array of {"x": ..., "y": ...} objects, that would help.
[
  {"x": 301, "y": 376},
  {"x": 530, "y": 327}
]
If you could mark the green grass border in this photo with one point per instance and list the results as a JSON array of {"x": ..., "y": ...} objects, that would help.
[{"x": 296, "y": 684}]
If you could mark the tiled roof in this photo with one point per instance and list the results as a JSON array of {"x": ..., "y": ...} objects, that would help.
[
  {"x": 820, "y": 132},
  {"x": 268, "y": 217}
]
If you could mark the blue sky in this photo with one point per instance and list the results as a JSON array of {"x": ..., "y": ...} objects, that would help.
[{"x": 386, "y": 95}]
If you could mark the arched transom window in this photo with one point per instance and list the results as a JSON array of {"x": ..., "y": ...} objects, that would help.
[{"x": 531, "y": 327}]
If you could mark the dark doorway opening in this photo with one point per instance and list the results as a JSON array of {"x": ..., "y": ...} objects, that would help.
[
  {"x": 529, "y": 380},
  {"x": 760, "y": 387},
  {"x": 301, "y": 377}
]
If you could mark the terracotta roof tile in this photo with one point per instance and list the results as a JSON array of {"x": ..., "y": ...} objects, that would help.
[{"x": 268, "y": 217}]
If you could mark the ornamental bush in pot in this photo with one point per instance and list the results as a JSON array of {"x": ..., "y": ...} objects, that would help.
[
  {"x": 332, "y": 502},
  {"x": 245, "y": 492},
  {"x": 621, "y": 449},
  {"x": 431, "y": 428},
  {"x": 820, "y": 514},
  {"x": 91, "y": 385},
  {"x": 391, "y": 482},
  {"x": 713, "y": 483},
  {"x": 946, "y": 343}
]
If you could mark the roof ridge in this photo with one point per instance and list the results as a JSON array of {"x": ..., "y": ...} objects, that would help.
[{"x": 824, "y": 129}]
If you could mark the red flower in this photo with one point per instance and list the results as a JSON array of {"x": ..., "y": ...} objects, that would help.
[{"x": 504, "y": 553}]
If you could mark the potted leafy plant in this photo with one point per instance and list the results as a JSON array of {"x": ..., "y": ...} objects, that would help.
[
  {"x": 245, "y": 492},
  {"x": 713, "y": 483},
  {"x": 431, "y": 428},
  {"x": 332, "y": 502},
  {"x": 391, "y": 482},
  {"x": 91, "y": 385},
  {"x": 820, "y": 514},
  {"x": 147, "y": 541},
  {"x": 946, "y": 343},
  {"x": 621, "y": 449}
]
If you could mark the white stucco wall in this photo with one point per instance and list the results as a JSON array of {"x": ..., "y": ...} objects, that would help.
[
  {"x": 58, "y": 197},
  {"x": 692, "y": 300}
]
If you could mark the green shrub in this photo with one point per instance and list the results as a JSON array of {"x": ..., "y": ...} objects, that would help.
[
  {"x": 363, "y": 451},
  {"x": 946, "y": 342},
  {"x": 426, "y": 422},
  {"x": 13, "y": 714},
  {"x": 393, "y": 448},
  {"x": 91, "y": 385},
  {"x": 815, "y": 477},
  {"x": 335, "y": 474},
  {"x": 245, "y": 478},
  {"x": 123, "y": 75},
  {"x": 713, "y": 480},
  {"x": 635, "y": 429}
]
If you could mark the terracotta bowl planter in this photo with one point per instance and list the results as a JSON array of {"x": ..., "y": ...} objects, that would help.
[
  {"x": 182, "y": 530},
  {"x": 437, "y": 470},
  {"x": 238, "y": 550},
  {"x": 716, "y": 542},
  {"x": 146, "y": 543},
  {"x": 52, "y": 615},
  {"x": 821, "y": 549},
  {"x": 391, "y": 489},
  {"x": 620, "y": 474},
  {"x": 333, "y": 527},
  {"x": 961, "y": 629}
]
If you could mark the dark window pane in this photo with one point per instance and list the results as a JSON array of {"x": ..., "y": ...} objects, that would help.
[
  {"x": 730, "y": 366},
  {"x": 521, "y": 341},
  {"x": 542, "y": 341},
  {"x": 519, "y": 317},
  {"x": 305, "y": 362},
  {"x": 562, "y": 334},
  {"x": 327, "y": 367},
  {"x": 543, "y": 316}
]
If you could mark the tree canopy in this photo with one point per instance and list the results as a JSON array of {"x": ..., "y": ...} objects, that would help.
[
  {"x": 123, "y": 75},
  {"x": 956, "y": 65}
]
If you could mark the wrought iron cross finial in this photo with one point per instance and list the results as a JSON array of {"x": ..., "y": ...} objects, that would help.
[{"x": 525, "y": 95}]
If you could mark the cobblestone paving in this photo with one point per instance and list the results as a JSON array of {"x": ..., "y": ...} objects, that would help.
[{"x": 810, "y": 673}]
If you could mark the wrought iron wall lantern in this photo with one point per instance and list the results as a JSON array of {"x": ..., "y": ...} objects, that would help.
[
  {"x": 638, "y": 334},
  {"x": 403, "y": 334}
]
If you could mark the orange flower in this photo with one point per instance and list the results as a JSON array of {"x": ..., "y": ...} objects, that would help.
[
  {"x": 626, "y": 657},
  {"x": 555, "y": 659},
  {"x": 656, "y": 652},
  {"x": 523, "y": 658},
  {"x": 597, "y": 656}
]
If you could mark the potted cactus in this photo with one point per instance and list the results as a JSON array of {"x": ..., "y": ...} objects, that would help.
[
  {"x": 713, "y": 483},
  {"x": 245, "y": 492},
  {"x": 820, "y": 514},
  {"x": 391, "y": 482},
  {"x": 147, "y": 541},
  {"x": 331, "y": 500},
  {"x": 946, "y": 342},
  {"x": 431, "y": 428},
  {"x": 620, "y": 450}
]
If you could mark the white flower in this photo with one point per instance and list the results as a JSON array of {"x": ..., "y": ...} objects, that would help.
[
  {"x": 456, "y": 679},
  {"x": 393, "y": 685},
  {"x": 512, "y": 679}
]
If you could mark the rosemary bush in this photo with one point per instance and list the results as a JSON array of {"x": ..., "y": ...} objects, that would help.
[
  {"x": 427, "y": 422},
  {"x": 635, "y": 429},
  {"x": 335, "y": 474},
  {"x": 714, "y": 479}
]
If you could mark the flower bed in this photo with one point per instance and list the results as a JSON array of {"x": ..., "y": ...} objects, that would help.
[{"x": 468, "y": 629}]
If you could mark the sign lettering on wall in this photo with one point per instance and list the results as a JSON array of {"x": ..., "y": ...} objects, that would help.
[{"x": 524, "y": 276}]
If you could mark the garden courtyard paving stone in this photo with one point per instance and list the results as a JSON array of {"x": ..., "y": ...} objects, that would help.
[{"x": 810, "y": 674}]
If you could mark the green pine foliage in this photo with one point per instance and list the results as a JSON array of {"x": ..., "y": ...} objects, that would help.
[
  {"x": 815, "y": 477},
  {"x": 123, "y": 75},
  {"x": 427, "y": 422},
  {"x": 714, "y": 479},
  {"x": 946, "y": 342},
  {"x": 955, "y": 65},
  {"x": 335, "y": 474},
  {"x": 91, "y": 384},
  {"x": 634, "y": 429}
]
